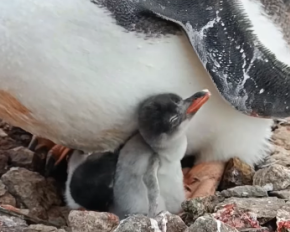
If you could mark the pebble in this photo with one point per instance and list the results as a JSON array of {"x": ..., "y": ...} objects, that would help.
[
  {"x": 3, "y": 163},
  {"x": 281, "y": 137},
  {"x": 42, "y": 228},
  {"x": 5, "y": 197},
  {"x": 37, "y": 194},
  {"x": 194, "y": 208},
  {"x": 209, "y": 223},
  {"x": 245, "y": 191},
  {"x": 237, "y": 173},
  {"x": 2, "y": 133},
  {"x": 261, "y": 229},
  {"x": 276, "y": 175},
  {"x": 89, "y": 221},
  {"x": 280, "y": 156},
  {"x": 170, "y": 223},
  {"x": 265, "y": 208},
  {"x": 11, "y": 224},
  {"x": 22, "y": 157}
]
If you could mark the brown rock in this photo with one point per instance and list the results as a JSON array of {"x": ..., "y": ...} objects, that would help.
[
  {"x": 89, "y": 221},
  {"x": 245, "y": 191},
  {"x": 194, "y": 208},
  {"x": 42, "y": 228},
  {"x": 3, "y": 133},
  {"x": 281, "y": 137},
  {"x": 170, "y": 223},
  {"x": 3, "y": 163},
  {"x": 237, "y": 173},
  {"x": 56, "y": 215},
  {"x": 7, "y": 143},
  {"x": 280, "y": 156},
  {"x": 38, "y": 212},
  {"x": 3, "y": 189},
  {"x": 208, "y": 223},
  {"x": 64, "y": 212},
  {"x": 21, "y": 157},
  {"x": 264, "y": 208},
  {"x": 11, "y": 224},
  {"x": 31, "y": 189},
  {"x": 5, "y": 197},
  {"x": 22, "y": 137},
  {"x": 276, "y": 175}
]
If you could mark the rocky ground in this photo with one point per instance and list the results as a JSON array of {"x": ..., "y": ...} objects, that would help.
[{"x": 248, "y": 200}]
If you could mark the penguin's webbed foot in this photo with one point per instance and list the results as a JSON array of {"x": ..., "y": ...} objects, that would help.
[
  {"x": 58, "y": 153},
  {"x": 203, "y": 179},
  {"x": 55, "y": 153}
]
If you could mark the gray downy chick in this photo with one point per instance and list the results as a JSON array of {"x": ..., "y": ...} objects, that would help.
[{"x": 148, "y": 176}]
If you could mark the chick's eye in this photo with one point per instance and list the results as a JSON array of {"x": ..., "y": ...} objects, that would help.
[{"x": 174, "y": 120}]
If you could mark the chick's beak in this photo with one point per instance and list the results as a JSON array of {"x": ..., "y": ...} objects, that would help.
[{"x": 196, "y": 101}]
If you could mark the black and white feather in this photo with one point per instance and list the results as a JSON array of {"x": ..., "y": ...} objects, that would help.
[{"x": 246, "y": 73}]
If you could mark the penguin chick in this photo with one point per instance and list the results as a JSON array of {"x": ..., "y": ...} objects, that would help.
[
  {"x": 89, "y": 183},
  {"x": 148, "y": 176}
]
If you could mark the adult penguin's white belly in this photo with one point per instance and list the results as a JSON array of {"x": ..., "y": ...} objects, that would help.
[{"x": 70, "y": 74}]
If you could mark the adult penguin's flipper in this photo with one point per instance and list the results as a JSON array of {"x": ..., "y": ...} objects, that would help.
[{"x": 248, "y": 75}]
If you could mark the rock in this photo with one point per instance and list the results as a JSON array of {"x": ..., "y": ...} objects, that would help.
[
  {"x": 280, "y": 156},
  {"x": 286, "y": 206},
  {"x": 3, "y": 133},
  {"x": 22, "y": 157},
  {"x": 283, "y": 194},
  {"x": 138, "y": 223},
  {"x": 56, "y": 215},
  {"x": 22, "y": 137},
  {"x": 208, "y": 223},
  {"x": 38, "y": 212},
  {"x": 281, "y": 137},
  {"x": 31, "y": 190},
  {"x": 86, "y": 221},
  {"x": 261, "y": 229},
  {"x": 264, "y": 208},
  {"x": 42, "y": 228},
  {"x": 196, "y": 205},
  {"x": 170, "y": 223},
  {"x": 245, "y": 191},
  {"x": 236, "y": 217},
  {"x": 11, "y": 224},
  {"x": 64, "y": 212},
  {"x": 3, "y": 163},
  {"x": 3, "y": 189},
  {"x": 237, "y": 173},
  {"x": 283, "y": 218},
  {"x": 276, "y": 175},
  {"x": 5, "y": 197},
  {"x": 194, "y": 208},
  {"x": 7, "y": 143}
]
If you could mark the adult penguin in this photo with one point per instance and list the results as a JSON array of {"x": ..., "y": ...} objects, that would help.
[{"x": 74, "y": 71}]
